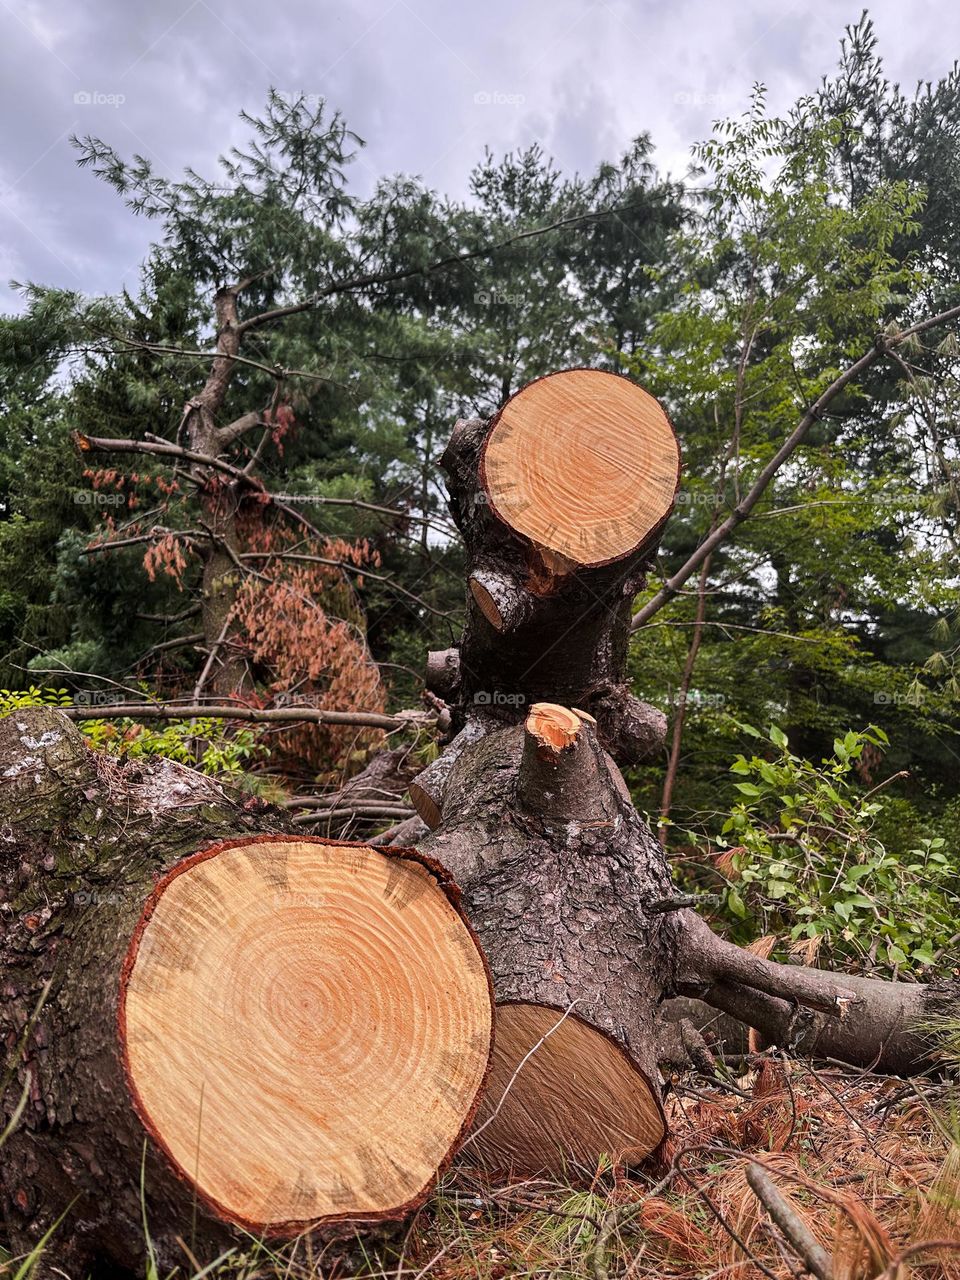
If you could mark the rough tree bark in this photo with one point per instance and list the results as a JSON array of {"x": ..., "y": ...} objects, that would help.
[
  {"x": 273, "y": 1031},
  {"x": 570, "y": 894}
]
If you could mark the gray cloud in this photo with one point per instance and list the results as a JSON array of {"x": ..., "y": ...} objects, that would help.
[{"x": 426, "y": 83}]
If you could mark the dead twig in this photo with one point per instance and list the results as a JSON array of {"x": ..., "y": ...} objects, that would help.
[{"x": 797, "y": 1232}]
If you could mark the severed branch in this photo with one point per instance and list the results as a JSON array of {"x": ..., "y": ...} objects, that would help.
[
  {"x": 882, "y": 346},
  {"x": 158, "y": 449},
  {"x": 224, "y": 711},
  {"x": 866, "y": 1022},
  {"x": 347, "y": 567},
  {"x": 815, "y": 1257},
  {"x": 707, "y": 957},
  {"x": 367, "y": 812}
]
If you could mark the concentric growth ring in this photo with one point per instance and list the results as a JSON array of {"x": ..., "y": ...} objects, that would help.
[{"x": 306, "y": 1028}]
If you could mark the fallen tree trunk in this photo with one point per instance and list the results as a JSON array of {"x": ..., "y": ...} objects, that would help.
[
  {"x": 556, "y": 881},
  {"x": 274, "y": 1033},
  {"x": 570, "y": 894}
]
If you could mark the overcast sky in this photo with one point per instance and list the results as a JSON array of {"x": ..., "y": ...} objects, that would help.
[{"x": 427, "y": 84}]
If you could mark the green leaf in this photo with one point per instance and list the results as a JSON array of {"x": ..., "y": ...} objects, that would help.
[{"x": 736, "y": 903}]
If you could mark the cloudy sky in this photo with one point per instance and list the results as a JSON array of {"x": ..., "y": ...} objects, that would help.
[{"x": 427, "y": 84}]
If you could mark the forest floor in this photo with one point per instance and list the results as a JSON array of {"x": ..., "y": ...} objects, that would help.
[{"x": 871, "y": 1165}]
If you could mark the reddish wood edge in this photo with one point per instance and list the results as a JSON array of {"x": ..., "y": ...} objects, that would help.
[
  {"x": 651, "y": 536},
  {"x": 288, "y": 1230}
]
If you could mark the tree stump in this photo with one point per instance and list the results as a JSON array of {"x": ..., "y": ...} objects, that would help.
[{"x": 287, "y": 1033}]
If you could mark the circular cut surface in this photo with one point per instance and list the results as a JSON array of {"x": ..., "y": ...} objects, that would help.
[
  {"x": 576, "y": 1097},
  {"x": 583, "y": 463},
  {"x": 307, "y": 1027}
]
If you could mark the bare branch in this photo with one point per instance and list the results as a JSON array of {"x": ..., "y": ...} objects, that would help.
[
  {"x": 408, "y": 273},
  {"x": 240, "y": 426},
  {"x": 815, "y": 1257},
  {"x": 156, "y": 449},
  {"x": 347, "y": 567},
  {"x": 743, "y": 508},
  {"x": 225, "y": 711}
]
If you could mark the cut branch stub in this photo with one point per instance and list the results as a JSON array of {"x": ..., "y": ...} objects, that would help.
[
  {"x": 503, "y": 601},
  {"x": 563, "y": 775},
  {"x": 583, "y": 463},
  {"x": 306, "y": 1027},
  {"x": 428, "y": 788},
  {"x": 443, "y": 673}
]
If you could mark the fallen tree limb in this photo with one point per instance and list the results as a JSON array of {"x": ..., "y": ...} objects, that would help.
[
  {"x": 866, "y": 1022},
  {"x": 815, "y": 1257},
  {"x": 227, "y": 711}
]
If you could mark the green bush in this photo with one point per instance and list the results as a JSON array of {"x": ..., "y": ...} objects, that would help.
[{"x": 804, "y": 862}]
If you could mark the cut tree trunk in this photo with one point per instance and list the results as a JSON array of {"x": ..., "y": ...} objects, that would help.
[
  {"x": 556, "y": 876},
  {"x": 288, "y": 1033},
  {"x": 570, "y": 895},
  {"x": 561, "y": 500}
]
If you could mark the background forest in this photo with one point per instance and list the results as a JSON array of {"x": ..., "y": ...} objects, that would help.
[{"x": 309, "y": 350}]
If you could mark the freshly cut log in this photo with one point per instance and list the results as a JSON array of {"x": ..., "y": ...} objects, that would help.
[
  {"x": 305, "y": 1027},
  {"x": 282, "y": 1032},
  {"x": 584, "y": 464},
  {"x": 561, "y": 499},
  {"x": 561, "y": 1094},
  {"x": 540, "y": 833}
]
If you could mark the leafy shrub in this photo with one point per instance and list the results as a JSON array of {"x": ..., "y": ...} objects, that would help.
[
  {"x": 803, "y": 860},
  {"x": 14, "y": 699}
]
